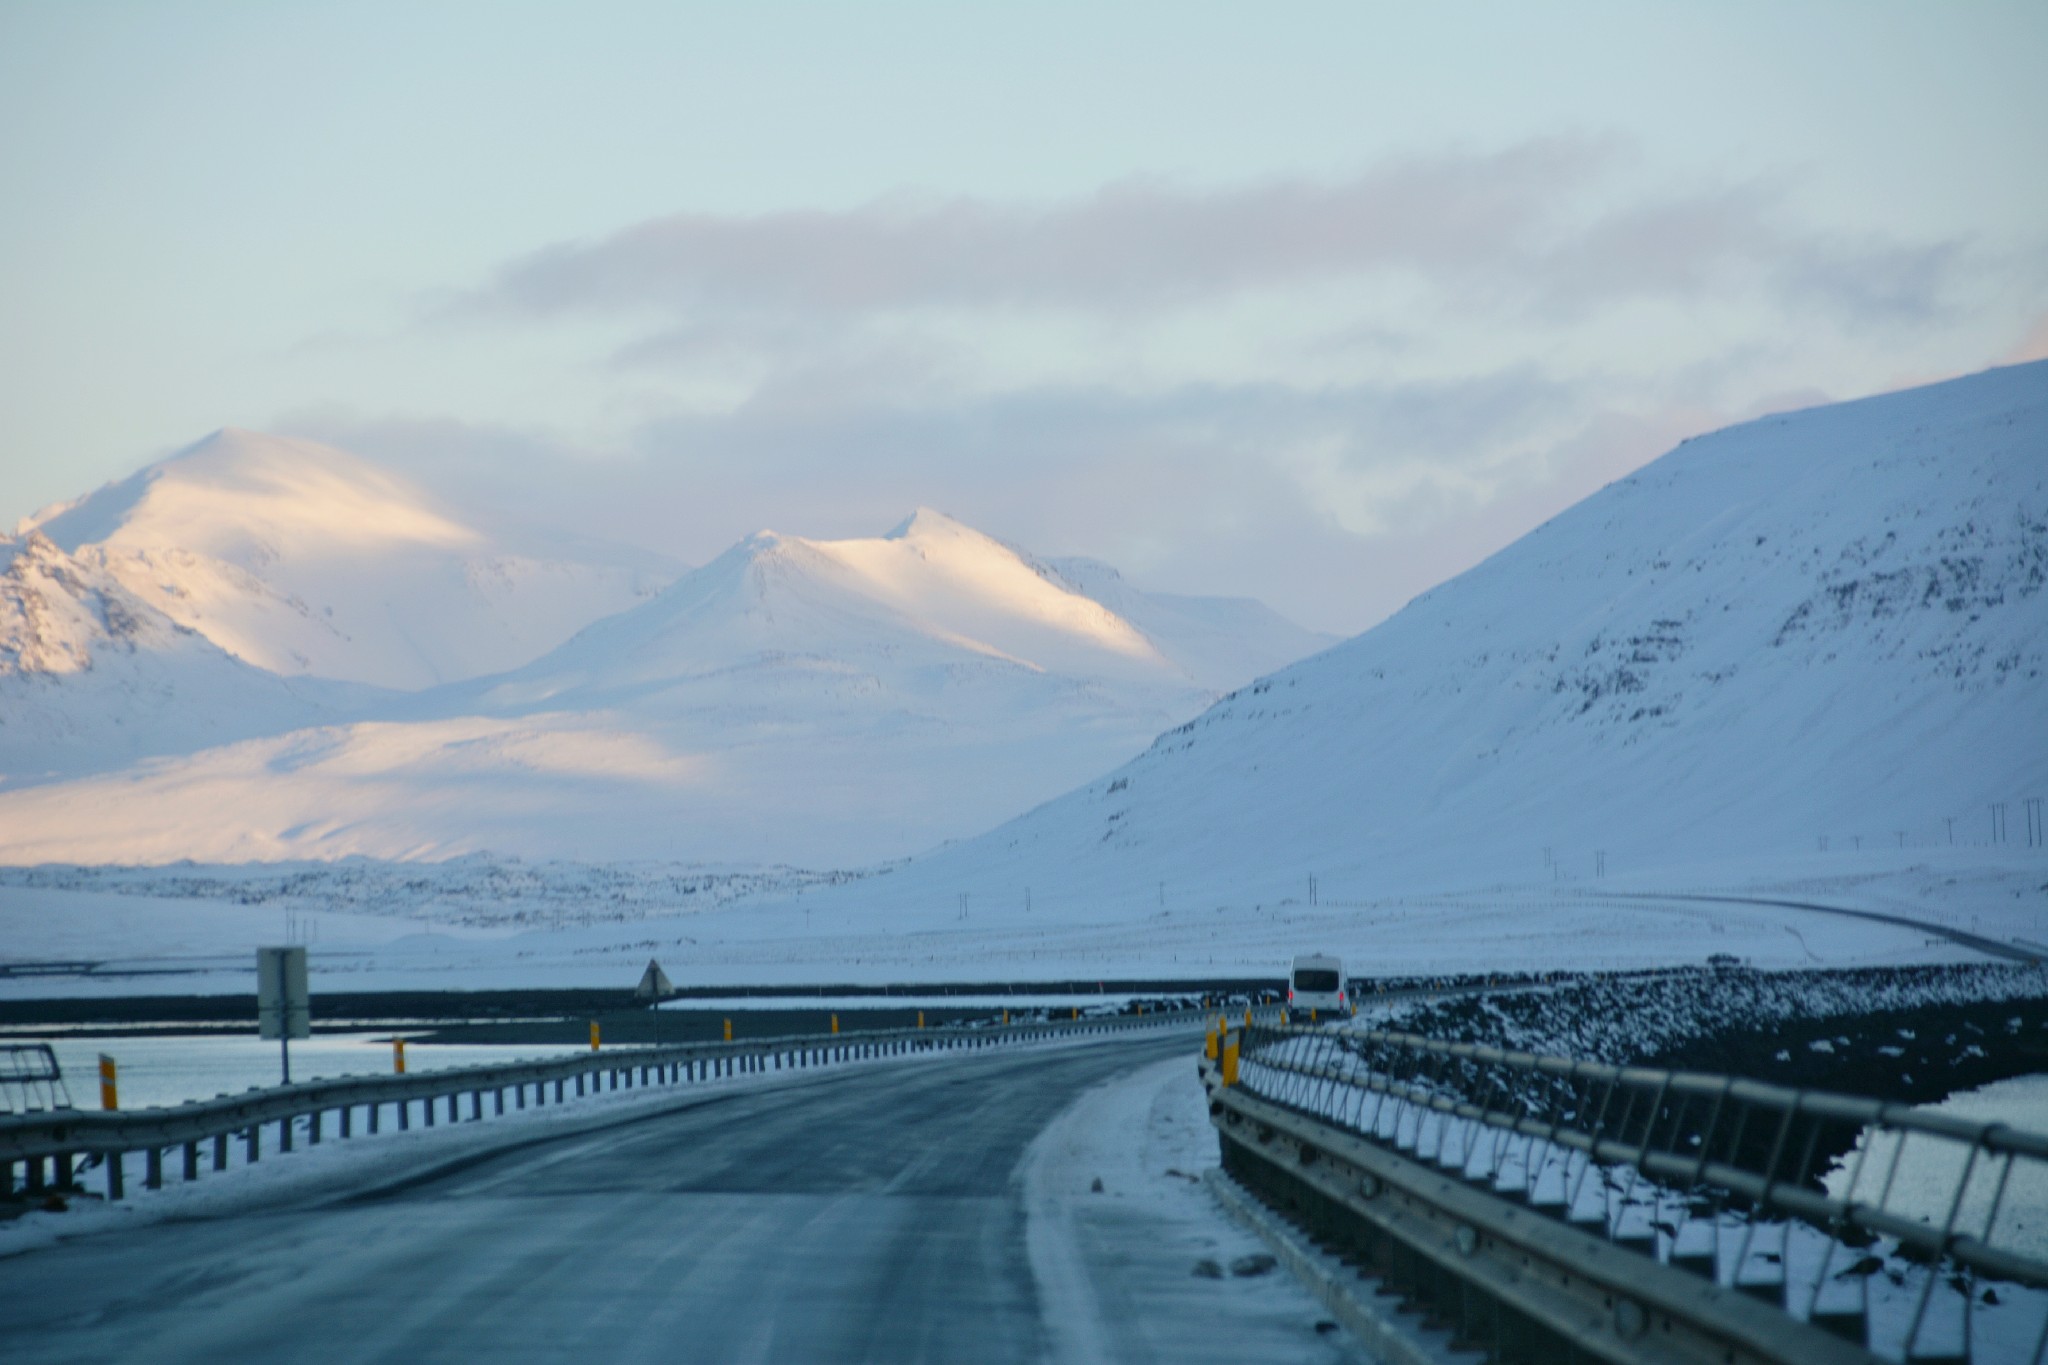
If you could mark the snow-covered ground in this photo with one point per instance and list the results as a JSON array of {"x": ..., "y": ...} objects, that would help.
[
  {"x": 187, "y": 930},
  {"x": 1118, "y": 1222}
]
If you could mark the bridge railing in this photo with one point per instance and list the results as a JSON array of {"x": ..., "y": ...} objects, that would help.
[
  {"x": 1914, "y": 1234},
  {"x": 49, "y": 1151}
]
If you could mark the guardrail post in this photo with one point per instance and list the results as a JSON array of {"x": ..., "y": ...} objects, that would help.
[
  {"x": 404, "y": 1116},
  {"x": 284, "y": 1134},
  {"x": 427, "y": 1109},
  {"x": 191, "y": 1171},
  {"x": 114, "y": 1190},
  {"x": 253, "y": 1136},
  {"x": 499, "y": 1097},
  {"x": 153, "y": 1169},
  {"x": 220, "y": 1151},
  {"x": 347, "y": 1118},
  {"x": 313, "y": 1128}
]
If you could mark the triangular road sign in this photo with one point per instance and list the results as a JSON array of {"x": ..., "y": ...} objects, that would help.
[{"x": 654, "y": 982}]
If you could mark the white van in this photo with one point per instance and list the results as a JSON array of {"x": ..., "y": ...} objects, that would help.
[{"x": 1316, "y": 983}]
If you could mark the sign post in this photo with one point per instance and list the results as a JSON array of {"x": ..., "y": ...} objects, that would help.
[
  {"x": 654, "y": 988},
  {"x": 283, "y": 1010}
]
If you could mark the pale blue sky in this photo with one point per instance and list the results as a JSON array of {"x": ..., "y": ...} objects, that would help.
[{"x": 1318, "y": 302}]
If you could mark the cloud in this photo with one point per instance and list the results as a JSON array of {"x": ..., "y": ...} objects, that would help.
[
  {"x": 1548, "y": 223},
  {"x": 1335, "y": 504}
]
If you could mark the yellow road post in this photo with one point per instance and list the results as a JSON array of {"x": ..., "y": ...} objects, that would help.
[
  {"x": 728, "y": 1030},
  {"x": 398, "y": 1056},
  {"x": 110, "y": 1093},
  {"x": 594, "y": 1037}
]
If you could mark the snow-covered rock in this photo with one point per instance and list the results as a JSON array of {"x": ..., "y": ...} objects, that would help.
[{"x": 93, "y": 676}]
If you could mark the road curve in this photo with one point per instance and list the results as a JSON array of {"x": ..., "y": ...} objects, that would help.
[
  {"x": 1990, "y": 947},
  {"x": 873, "y": 1213}
]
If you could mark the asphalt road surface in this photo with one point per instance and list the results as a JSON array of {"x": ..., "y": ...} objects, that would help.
[{"x": 875, "y": 1213}]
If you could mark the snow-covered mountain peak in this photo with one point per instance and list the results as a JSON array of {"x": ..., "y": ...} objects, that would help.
[
  {"x": 303, "y": 559},
  {"x": 241, "y": 495},
  {"x": 1831, "y": 624},
  {"x": 56, "y": 613},
  {"x": 930, "y": 524}
]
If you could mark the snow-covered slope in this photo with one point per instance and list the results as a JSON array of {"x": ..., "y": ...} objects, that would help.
[
  {"x": 1222, "y": 641},
  {"x": 303, "y": 559},
  {"x": 1828, "y": 627},
  {"x": 820, "y": 702},
  {"x": 91, "y": 676}
]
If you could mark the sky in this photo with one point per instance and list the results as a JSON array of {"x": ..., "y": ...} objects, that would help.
[{"x": 1319, "y": 303}]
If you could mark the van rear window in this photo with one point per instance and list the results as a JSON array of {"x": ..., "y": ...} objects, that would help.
[{"x": 1316, "y": 979}]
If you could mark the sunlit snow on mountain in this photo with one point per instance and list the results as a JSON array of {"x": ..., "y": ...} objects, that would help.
[{"x": 821, "y": 702}]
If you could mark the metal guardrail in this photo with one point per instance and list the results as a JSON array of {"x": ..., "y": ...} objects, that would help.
[
  {"x": 1690, "y": 1202},
  {"x": 48, "y": 1147}
]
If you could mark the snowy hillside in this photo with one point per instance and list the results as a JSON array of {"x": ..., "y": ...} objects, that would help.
[
  {"x": 92, "y": 677},
  {"x": 1222, "y": 641},
  {"x": 1823, "y": 628},
  {"x": 826, "y": 703},
  {"x": 303, "y": 559}
]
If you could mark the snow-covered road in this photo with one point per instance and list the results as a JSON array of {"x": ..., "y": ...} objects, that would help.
[{"x": 931, "y": 1212}]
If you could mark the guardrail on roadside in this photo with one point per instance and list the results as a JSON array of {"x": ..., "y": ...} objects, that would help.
[
  {"x": 1544, "y": 1205},
  {"x": 49, "y": 1146}
]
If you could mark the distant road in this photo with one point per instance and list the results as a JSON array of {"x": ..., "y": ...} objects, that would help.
[
  {"x": 873, "y": 1213},
  {"x": 2012, "y": 952}
]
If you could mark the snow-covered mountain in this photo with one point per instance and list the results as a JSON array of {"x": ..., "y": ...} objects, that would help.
[
  {"x": 1818, "y": 628},
  {"x": 303, "y": 559},
  {"x": 92, "y": 676},
  {"x": 822, "y": 702}
]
